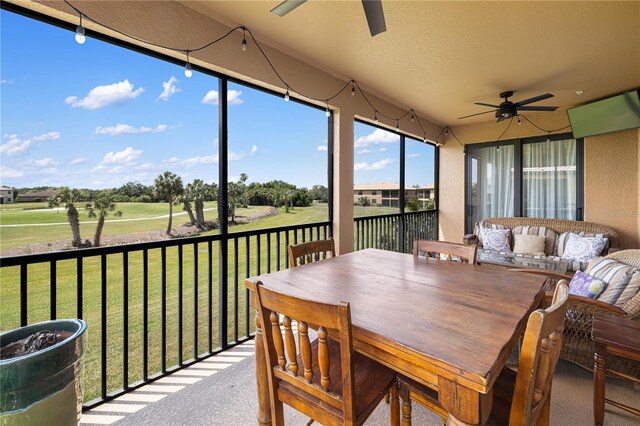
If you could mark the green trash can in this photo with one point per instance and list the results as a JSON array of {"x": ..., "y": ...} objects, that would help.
[{"x": 43, "y": 387}]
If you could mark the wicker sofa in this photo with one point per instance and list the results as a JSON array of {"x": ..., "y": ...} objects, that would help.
[
  {"x": 578, "y": 346},
  {"x": 558, "y": 226}
]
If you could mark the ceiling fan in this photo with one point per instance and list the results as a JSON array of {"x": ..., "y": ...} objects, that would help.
[
  {"x": 372, "y": 9},
  {"x": 508, "y": 109}
]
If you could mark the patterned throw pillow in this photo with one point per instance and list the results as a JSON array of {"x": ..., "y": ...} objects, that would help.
[
  {"x": 496, "y": 239},
  {"x": 583, "y": 248},
  {"x": 622, "y": 281},
  {"x": 563, "y": 239},
  {"x": 482, "y": 225},
  {"x": 585, "y": 285}
]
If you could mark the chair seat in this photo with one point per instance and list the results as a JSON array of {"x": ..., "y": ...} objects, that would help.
[
  {"x": 502, "y": 396},
  {"x": 372, "y": 381}
]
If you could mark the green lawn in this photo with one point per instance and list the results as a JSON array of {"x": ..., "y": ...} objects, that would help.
[{"x": 194, "y": 292}]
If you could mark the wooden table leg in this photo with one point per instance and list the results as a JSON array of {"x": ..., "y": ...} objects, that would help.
[
  {"x": 395, "y": 405},
  {"x": 406, "y": 405},
  {"x": 599, "y": 365},
  {"x": 465, "y": 406},
  {"x": 262, "y": 381}
]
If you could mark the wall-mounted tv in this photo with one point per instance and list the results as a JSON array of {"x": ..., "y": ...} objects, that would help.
[{"x": 607, "y": 115}]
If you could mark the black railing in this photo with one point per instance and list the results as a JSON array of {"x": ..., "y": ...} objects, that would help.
[
  {"x": 145, "y": 304},
  {"x": 395, "y": 232}
]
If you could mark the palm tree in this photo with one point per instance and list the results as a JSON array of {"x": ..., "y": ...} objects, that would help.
[
  {"x": 235, "y": 195},
  {"x": 169, "y": 187},
  {"x": 68, "y": 199},
  {"x": 185, "y": 199},
  {"x": 101, "y": 208},
  {"x": 200, "y": 193}
]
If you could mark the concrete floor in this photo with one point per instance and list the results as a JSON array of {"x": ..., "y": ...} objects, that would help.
[{"x": 227, "y": 397}]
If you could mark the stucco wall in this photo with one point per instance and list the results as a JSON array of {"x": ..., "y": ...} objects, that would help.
[{"x": 612, "y": 174}]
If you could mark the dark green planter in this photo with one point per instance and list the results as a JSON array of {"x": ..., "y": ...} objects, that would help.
[{"x": 43, "y": 388}]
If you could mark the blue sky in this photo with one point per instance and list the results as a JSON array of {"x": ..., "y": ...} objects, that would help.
[{"x": 97, "y": 116}]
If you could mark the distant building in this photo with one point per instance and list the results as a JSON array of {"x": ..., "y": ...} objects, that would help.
[
  {"x": 37, "y": 196},
  {"x": 386, "y": 194},
  {"x": 6, "y": 195}
]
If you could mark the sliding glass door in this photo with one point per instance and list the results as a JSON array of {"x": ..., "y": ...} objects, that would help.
[{"x": 534, "y": 177}]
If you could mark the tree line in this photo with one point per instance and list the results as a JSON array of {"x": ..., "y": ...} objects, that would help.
[{"x": 168, "y": 187}]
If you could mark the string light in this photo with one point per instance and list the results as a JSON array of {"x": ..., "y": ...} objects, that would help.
[
  {"x": 375, "y": 117},
  {"x": 424, "y": 138},
  {"x": 446, "y": 131},
  {"x": 244, "y": 39},
  {"x": 397, "y": 125},
  {"x": 519, "y": 121},
  {"x": 187, "y": 68},
  {"x": 80, "y": 38},
  {"x": 286, "y": 95}
]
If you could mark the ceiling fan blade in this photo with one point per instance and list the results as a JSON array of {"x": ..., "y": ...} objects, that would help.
[
  {"x": 473, "y": 115},
  {"x": 375, "y": 16},
  {"x": 286, "y": 6},
  {"x": 489, "y": 105},
  {"x": 534, "y": 99},
  {"x": 537, "y": 108}
]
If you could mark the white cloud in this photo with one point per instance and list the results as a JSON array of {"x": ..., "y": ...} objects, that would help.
[
  {"x": 79, "y": 160},
  {"x": 10, "y": 136},
  {"x": 363, "y": 151},
  {"x": 382, "y": 149},
  {"x": 378, "y": 165},
  {"x": 233, "y": 97},
  {"x": 51, "y": 136},
  {"x": 102, "y": 96},
  {"x": 116, "y": 170},
  {"x": 124, "y": 156},
  {"x": 48, "y": 171},
  {"x": 323, "y": 148},
  {"x": 254, "y": 150},
  {"x": 15, "y": 146},
  {"x": 3, "y": 81},
  {"x": 194, "y": 161},
  {"x": 8, "y": 172},
  {"x": 413, "y": 155},
  {"x": 378, "y": 136},
  {"x": 169, "y": 89},
  {"x": 127, "y": 129},
  {"x": 44, "y": 162},
  {"x": 146, "y": 166}
]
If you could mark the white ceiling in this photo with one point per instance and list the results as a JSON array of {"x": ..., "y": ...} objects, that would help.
[{"x": 440, "y": 57}]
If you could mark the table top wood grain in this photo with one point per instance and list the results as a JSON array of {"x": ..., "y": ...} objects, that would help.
[{"x": 425, "y": 318}]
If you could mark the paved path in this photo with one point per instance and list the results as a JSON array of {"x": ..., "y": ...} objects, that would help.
[{"x": 164, "y": 216}]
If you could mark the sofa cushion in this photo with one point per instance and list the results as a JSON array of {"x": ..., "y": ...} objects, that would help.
[
  {"x": 623, "y": 281},
  {"x": 561, "y": 241},
  {"x": 480, "y": 225},
  {"x": 496, "y": 239},
  {"x": 549, "y": 235},
  {"x": 585, "y": 285},
  {"x": 582, "y": 248},
  {"x": 528, "y": 244}
]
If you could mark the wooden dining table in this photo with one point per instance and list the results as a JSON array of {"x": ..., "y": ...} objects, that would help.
[{"x": 450, "y": 326}]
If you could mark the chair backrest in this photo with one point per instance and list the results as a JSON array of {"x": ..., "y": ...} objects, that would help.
[
  {"x": 313, "y": 250},
  {"x": 282, "y": 352},
  {"x": 538, "y": 359},
  {"x": 466, "y": 253}
]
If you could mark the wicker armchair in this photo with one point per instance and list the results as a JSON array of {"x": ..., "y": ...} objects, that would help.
[{"x": 578, "y": 346}]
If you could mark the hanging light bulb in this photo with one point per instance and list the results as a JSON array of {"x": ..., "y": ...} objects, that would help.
[
  {"x": 446, "y": 130},
  {"x": 424, "y": 138},
  {"x": 519, "y": 121},
  {"x": 328, "y": 112},
  {"x": 375, "y": 116},
  {"x": 187, "y": 68},
  {"x": 549, "y": 137},
  {"x": 244, "y": 39},
  {"x": 438, "y": 144},
  {"x": 353, "y": 88},
  {"x": 397, "y": 126},
  {"x": 286, "y": 95},
  {"x": 80, "y": 38},
  {"x": 412, "y": 116}
]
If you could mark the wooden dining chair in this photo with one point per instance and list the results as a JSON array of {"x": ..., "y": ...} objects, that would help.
[
  {"x": 466, "y": 253},
  {"x": 522, "y": 397},
  {"x": 306, "y": 252},
  {"x": 323, "y": 379}
]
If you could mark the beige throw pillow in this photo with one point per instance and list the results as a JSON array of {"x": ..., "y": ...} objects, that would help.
[{"x": 528, "y": 244}]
